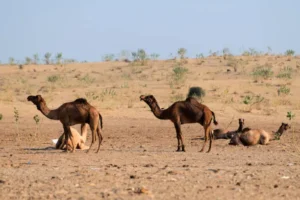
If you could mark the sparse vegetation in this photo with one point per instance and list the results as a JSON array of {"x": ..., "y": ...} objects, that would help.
[
  {"x": 285, "y": 73},
  {"x": 289, "y": 52},
  {"x": 154, "y": 56},
  {"x": 1, "y": 116},
  {"x": 16, "y": 116},
  {"x": 47, "y": 57},
  {"x": 28, "y": 61},
  {"x": 177, "y": 97},
  {"x": 36, "y": 59},
  {"x": 53, "y": 78},
  {"x": 58, "y": 58},
  {"x": 108, "y": 92},
  {"x": 140, "y": 56},
  {"x": 108, "y": 57},
  {"x": 36, "y": 118},
  {"x": 181, "y": 53},
  {"x": 264, "y": 72},
  {"x": 179, "y": 73},
  {"x": 11, "y": 61},
  {"x": 87, "y": 79},
  {"x": 283, "y": 90}
]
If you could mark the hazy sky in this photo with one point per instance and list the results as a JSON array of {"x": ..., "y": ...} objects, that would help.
[{"x": 87, "y": 30}]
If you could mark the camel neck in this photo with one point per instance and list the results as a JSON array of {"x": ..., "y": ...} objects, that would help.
[
  {"x": 51, "y": 114},
  {"x": 157, "y": 111},
  {"x": 240, "y": 127}
]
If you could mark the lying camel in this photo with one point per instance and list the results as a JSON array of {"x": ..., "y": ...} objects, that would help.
[
  {"x": 249, "y": 137},
  {"x": 225, "y": 134},
  {"x": 76, "y": 139}
]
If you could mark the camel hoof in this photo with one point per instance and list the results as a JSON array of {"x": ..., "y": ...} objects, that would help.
[{"x": 201, "y": 150}]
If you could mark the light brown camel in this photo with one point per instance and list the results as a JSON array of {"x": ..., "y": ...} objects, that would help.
[
  {"x": 71, "y": 113},
  {"x": 225, "y": 134},
  {"x": 250, "y": 137},
  {"x": 77, "y": 139},
  {"x": 183, "y": 112}
]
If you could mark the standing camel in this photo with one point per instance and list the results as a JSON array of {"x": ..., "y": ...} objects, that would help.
[
  {"x": 71, "y": 113},
  {"x": 183, "y": 112}
]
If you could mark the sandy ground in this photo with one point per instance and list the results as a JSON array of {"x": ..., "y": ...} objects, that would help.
[{"x": 137, "y": 159}]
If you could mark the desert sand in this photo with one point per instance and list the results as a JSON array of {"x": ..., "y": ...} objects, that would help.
[{"x": 138, "y": 158}]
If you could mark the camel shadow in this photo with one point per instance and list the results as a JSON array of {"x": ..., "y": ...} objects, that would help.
[{"x": 198, "y": 138}]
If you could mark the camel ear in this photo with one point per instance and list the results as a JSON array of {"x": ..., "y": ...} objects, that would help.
[{"x": 39, "y": 97}]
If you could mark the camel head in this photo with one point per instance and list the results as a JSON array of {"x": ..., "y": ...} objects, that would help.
[
  {"x": 285, "y": 126},
  {"x": 149, "y": 99},
  {"x": 241, "y": 122},
  {"x": 36, "y": 100}
]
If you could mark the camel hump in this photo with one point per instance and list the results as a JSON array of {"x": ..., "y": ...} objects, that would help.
[{"x": 81, "y": 101}]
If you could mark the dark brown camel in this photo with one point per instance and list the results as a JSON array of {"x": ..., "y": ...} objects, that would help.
[
  {"x": 183, "y": 112},
  {"x": 71, "y": 113},
  {"x": 225, "y": 134}
]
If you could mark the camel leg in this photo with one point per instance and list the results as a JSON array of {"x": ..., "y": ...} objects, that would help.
[
  {"x": 68, "y": 135},
  {"x": 60, "y": 143},
  {"x": 206, "y": 132},
  {"x": 210, "y": 139},
  {"x": 93, "y": 129},
  {"x": 179, "y": 137},
  {"x": 100, "y": 138}
]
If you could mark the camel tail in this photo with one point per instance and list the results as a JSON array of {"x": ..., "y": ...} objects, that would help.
[
  {"x": 101, "y": 121},
  {"x": 214, "y": 118}
]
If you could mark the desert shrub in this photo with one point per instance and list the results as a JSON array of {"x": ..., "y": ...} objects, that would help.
[
  {"x": 87, "y": 79},
  {"x": 28, "y": 61},
  {"x": 154, "y": 56},
  {"x": 47, "y": 57},
  {"x": 53, "y": 78},
  {"x": 11, "y": 61},
  {"x": 1, "y": 116},
  {"x": 283, "y": 90},
  {"x": 108, "y": 57},
  {"x": 140, "y": 56},
  {"x": 36, "y": 59},
  {"x": 289, "y": 52},
  {"x": 58, "y": 58},
  {"x": 181, "y": 53},
  {"x": 264, "y": 72},
  {"x": 179, "y": 74},
  {"x": 196, "y": 92},
  {"x": 285, "y": 73},
  {"x": 108, "y": 93}
]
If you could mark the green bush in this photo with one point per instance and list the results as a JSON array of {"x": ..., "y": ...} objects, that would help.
[
  {"x": 264, "y": 72},
  {"x": 289, "y": 52},
  {"x": 196, "y": 92},
  {"x": 283, "y": 90},
  {"x": 181, "y": 52},
  {"x": 53, "y": 78},
  {"x": 179, "y": 73},
  {"x": 285, "y": 73}
]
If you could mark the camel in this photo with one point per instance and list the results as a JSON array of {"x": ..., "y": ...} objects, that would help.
[
  {"x": 183, "y": 112},
  {"x": 71, "y": 113},
  {"x": 225, "y": 134},
  {"x": 77, "y": 139},
  {"x": 250, "y": 137}
]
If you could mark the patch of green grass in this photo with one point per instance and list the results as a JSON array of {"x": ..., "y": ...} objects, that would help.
[
  {"x": 53, "y": 78},
  {"x": 283, "y": 91},
  {"x": 179, "y": 74},
  {"x": 264, "y": 72},
  {"x": 87, "y": 79},
  {"x": 285, "y": 73}
]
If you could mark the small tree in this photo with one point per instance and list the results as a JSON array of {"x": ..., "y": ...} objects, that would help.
[
  {"x": 28, "y": 61},
  {"x": 289, "y": 52},
  {"x": 47, "y": 58},
  {"x": 58, "y": 58},
  {"x": 11, "y": 61},
  {"x": 181, "y": 52},
  {"x": 36, "y": 59}
]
